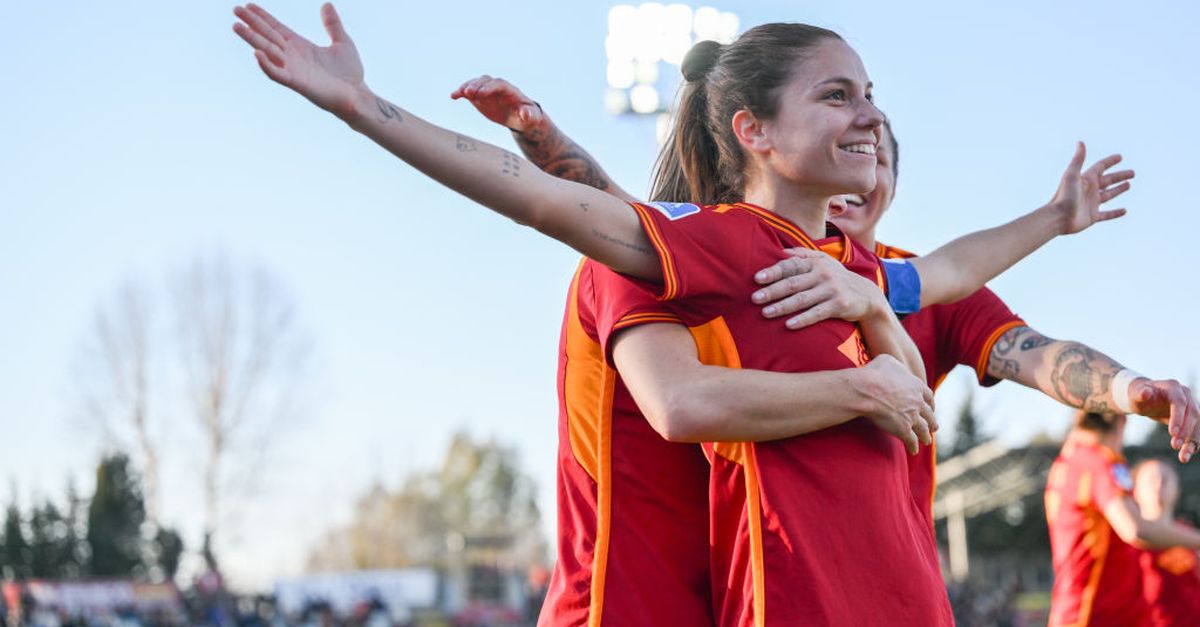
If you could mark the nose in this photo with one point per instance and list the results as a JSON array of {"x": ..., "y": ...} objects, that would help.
[{"x": 870, "y": 116}]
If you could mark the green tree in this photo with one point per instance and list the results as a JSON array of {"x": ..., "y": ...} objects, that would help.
[
  {"x": 16, "y": 555},
  {"x": 967, "y": 433},
  {"x": 115, "y": 518}
]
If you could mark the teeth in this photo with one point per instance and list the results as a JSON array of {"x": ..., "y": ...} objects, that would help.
[
  {"x": 854, "y": 199},
  {"x": 866, "y": 149}
]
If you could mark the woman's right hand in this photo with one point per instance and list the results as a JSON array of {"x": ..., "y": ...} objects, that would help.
[
  {"x": 897, "y": 402},
  {"x": 330, "y": 76}
]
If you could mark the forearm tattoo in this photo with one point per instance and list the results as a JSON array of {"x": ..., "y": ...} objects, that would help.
[
  {"x": 558, "y": 156},
  {"x": 511, "y": 166},
  {"x": 464, "y": 144},
  {"x": 620, "y": 242},
  {"x": 387, "y": 111},
  {"x": 1079, "y": 376}
]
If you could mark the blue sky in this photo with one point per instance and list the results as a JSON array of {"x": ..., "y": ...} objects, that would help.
[{"x": 140, "y": 135}]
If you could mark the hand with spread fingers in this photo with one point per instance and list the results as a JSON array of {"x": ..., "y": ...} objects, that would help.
[
  {"x": 330, "y": 76},
  {"x": 501, "y": 102},
  {"x": 1080, "y": 194}
]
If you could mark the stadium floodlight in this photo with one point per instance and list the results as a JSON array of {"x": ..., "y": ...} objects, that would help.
[{"x": 645, "y": 46}]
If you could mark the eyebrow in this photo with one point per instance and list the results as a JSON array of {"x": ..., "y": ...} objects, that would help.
[{"x": 842, "y": 80}]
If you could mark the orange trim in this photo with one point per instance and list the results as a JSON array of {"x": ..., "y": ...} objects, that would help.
[
  {"x": 781, "y": 224},
  {"x": 670, "y": 278},
  {"x": 1087, "y": 601},
  {"x": 883, "y": 251},
  {"x": 603, "y": 501},
  {"x": 590, "y": 383},
  {"x": 642, "y": 318},
  {"x": 986, "y": 351},
  {"x": 716, "y": 347},
  {"x": 933, "y": 485}
]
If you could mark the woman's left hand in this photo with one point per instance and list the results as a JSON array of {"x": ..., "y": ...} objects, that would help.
[{"x": 817, "y": 284}]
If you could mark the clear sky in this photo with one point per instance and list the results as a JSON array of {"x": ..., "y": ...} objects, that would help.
[{"x": 136, "y": 135}]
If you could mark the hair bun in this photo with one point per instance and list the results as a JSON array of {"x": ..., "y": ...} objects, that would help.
[{"x": 700, "y": 60}]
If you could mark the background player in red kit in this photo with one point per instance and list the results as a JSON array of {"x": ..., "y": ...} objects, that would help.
[
  {"x": 1170, "y": 577},
  {"x": 1096, "y": 529}
]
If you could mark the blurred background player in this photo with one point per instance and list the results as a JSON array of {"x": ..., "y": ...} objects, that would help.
[
  {"x": 1170, "y": 579},
  {"x": 1096, "y": 529}
]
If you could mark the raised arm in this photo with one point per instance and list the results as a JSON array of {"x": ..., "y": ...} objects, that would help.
[
  {"x": 539, "y": 138},
  {"x": 1081, "y": 377},
  {"x": 687, "y": 401},
  {"x": 959, "y": 268},
  {"x": 592, "y": 222}
]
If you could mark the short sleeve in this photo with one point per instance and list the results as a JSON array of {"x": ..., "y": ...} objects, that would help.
[
  {"x": 618, "y": 302},
  {"x": 697, "y": 246},
  {"x": 1109, "y": 481},
  {"x": 970, "y": 328}
]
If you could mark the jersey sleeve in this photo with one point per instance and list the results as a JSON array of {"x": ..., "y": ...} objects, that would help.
[
  {"x": 698, "y": 248},
  {"x": 618, "y": 302},
  {"x": 1109, "y": 481},
  {"x": 971, "y": 326}
]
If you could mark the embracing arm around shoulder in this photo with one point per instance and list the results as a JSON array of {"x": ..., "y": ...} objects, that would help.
[
  {"x": 592, "y": 222},
  {"x": 1082, "y": 377},
  {"x": 687, "y": 401},
  {"x": 959, "y": 268},
  {"x": 1126, "y": 520}
]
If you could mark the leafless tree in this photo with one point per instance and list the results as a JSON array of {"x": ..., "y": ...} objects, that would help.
[
  {"x": 242, "y": 355},
  {"x": 115, "y": 382}
]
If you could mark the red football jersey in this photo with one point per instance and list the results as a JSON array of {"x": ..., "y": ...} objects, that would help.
[
  {"x": 1097, "y": 578},
  {"x": 960, "y": 333},
  {"x": 632, "y": 542},
  {"x": 1171, "y": 586},
  {"x": 820, "y": 529}
]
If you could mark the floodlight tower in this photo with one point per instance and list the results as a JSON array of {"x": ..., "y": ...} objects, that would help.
[{"x": 645, "y": 47}]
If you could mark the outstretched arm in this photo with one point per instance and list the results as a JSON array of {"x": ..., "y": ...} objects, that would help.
[
  {"x": 687, "y": 401},
  {"x": 1127, "y": 521},
  {"x": 592, "y": 222},
  {"x": 539, "y": 138},
  {"x": 959, "y": 268},
  {"x": 1081, "y": 377}
]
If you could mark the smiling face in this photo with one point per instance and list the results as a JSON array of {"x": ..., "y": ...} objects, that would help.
[
  {"x": 864, "y": 211},
  {"x": 826, "y": 131}
]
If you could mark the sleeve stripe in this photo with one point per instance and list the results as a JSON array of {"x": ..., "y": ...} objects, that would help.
[
  {"x": 670, "y": 278},
  {"x": 636, "y": 319},
  {"x": 986, "y": 351}
]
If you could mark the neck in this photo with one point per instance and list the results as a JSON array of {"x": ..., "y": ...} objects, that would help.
[
  {"x": 1112, "y": 440},
  {"x": 804, "y": 209},
  {"x": 866, "y": 240}
]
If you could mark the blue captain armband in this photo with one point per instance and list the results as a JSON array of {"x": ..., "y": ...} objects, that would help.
[{"x": 904, "y": 286}]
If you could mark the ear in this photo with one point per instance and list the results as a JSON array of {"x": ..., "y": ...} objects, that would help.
[{"x": 750, "y": 132}]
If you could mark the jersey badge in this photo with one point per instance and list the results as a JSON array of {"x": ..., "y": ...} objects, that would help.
[
  {"x": 675, "y": 210},
  {"x": 1122, "y": 477}
]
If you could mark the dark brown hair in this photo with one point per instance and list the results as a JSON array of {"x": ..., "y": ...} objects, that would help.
[
  {"x": 1093, "y": 421},
  {"x": 702, "y": 160}
]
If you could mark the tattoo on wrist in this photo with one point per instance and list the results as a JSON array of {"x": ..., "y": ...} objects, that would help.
[
  {"x": 464, "y": 144},
  {"x": 387, "y": 111},
  {"x": 558, "y": 156},
  {"x": 620, "y": 242},
  {"x": 511, "y": 165}
]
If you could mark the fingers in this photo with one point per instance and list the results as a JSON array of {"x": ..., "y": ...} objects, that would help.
[
  {"x": 274, "y": 72},
  {"x": 259, "y": 43},
  {"x": 815, "y": 314},
  {"x": 1108, "y": 194},
  {"x": 1109, "y": 180},
  {"x": 1076, "y": 163},
  {"x": 777, "y": 276},
  {"x": 260, "y": 27},
  {"x": 1109, "y": 215},
  {"x": 1104, "y": 164},
  {"x": 796, "y": 263},
  {"x": 921, "y": 428},
  {"x": 792, "y": 294},
  {"x": 1177, "y": 415},
  {"x": 333, "y": 24},
  {"x": 279, "y": 27},
  {"x": 927, "y": 395},
  {"x": 911, "y": 443}
]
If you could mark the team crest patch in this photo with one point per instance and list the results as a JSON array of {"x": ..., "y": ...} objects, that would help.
[
  {"x": 675, "y": 210},
  {"x": 1122, "y": 477}
]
